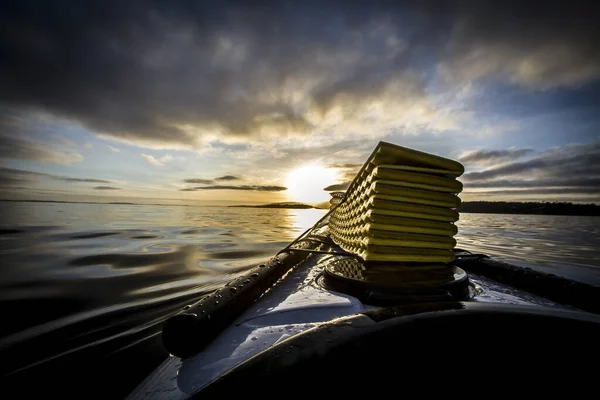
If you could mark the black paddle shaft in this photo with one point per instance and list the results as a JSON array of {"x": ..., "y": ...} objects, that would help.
[{"x": 188, "y": 332}]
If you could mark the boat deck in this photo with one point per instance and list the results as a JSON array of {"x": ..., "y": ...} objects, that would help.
[{"x": 294, "y": 305}]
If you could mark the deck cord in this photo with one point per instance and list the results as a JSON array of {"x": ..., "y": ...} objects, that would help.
[{"x": 316, "y": 238}]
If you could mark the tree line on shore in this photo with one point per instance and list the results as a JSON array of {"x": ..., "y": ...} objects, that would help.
[{"x": 542, "y": 208}]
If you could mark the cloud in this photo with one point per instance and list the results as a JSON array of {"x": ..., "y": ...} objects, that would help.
[
  {"x": 485, "y": 157},
  {"x": 86, "y": 180},
  {"x": 315, "y": 151},
  {"x": 538, "y": 45},
  {"x": 200, "y": 181},
  {"x": 555, "y": 182},
  {"x": 113, "y": 149},
  {"x": 187, "y": 74},
  {"x": 224, "y": 178},
  {"x": 259, "y": 188},
  {"x": 337, "y": 187},
  {"x": 158, "y": 162},
  {"x": 192, "y": 73},
  {"x": 63, "y": 141},
  {"x": 569, "y": 161},
  {"x": 345, "y": 166},
  {"x": 151, "y": 160},
  {"x": 11, "y": 177},
  {"x": 347, "y": 173},
  {"x": 515, "y": 168},
  {"x": 107, "y": 188},
  {"x": 571, "y": 191},
  {"x": 566, "y": 169},
  {"x": 228, "y": 178},
  {"x": 166, "y": 158},
  {"x": 24, "y": 149}
]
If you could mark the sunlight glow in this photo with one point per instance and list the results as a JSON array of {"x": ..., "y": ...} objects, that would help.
[{"x": 306, "y": 183}]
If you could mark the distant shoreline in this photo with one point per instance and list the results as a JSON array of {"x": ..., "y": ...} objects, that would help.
[
  {"x": 473, "y": 207},
  {"x": 293, "y": 206},
  {"x": 486, "y": 207}
]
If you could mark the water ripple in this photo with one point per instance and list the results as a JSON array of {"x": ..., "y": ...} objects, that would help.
[
  {"x": 563, "y": 245},
  {"x": 89, "y": 283},
  {"x": 88, "y": 286}
]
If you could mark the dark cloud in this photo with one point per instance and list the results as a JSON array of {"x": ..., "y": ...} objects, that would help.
[
  {"x": 539, "y": 191},
  {"x": 345, "y": 166},
  {"x": 107, "y": 188},
  {"x": 259, "y": 188},
  {"x": 87, "y": 180},
  {"x": 22, "y": 172},
  {"x": 347, "y": 173},
  {"x": 569, "y": 162},
  {"x": 507, "y": 170},
  {"x": 493, "y": 156},
  {"x": 17, "y": 148},
  {"x": 10, "y": 177},
  {"x": 563, "y": 170},
  {"x": 200, "y": 181},
  {"x": 12, "y": 181},
  {"x": 13, "y": 177},
  {"x": 337, "y": 187},
  {"x": 17, "y": 179},
  {"x": 16, "y": 132},
  {"x": 228, "y": 178},
  {"x": 150, "y": 70},
  {"x": 535, "y": 44},
  {"x": 171, "y": 73},
  {"x": 556, "y": 182},
  {"x": 584, "y": 183}
]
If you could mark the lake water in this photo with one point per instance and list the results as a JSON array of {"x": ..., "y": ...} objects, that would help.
[
  {"x": 567, "y": 246},
  {"x": 84, "y": 288}
]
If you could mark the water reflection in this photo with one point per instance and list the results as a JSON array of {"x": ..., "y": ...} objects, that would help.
[
  {"x": 563, "y": 245},
  {"x": 302, "y": 220},
  {"x": 101, "y": 277},
  {"x": 91, "y": 280}
]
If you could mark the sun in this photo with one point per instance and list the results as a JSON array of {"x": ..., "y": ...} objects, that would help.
[{"x": 306, "y": 183}]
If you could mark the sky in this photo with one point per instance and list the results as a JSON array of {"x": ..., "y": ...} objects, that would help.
[{"x": 227, "y": 102}]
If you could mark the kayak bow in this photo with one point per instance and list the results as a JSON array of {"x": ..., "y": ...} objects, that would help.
[{"x": 375, "y": 296}]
